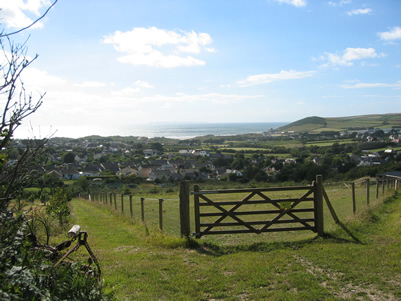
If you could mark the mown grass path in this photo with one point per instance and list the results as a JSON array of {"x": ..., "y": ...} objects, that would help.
[{"x": 142, "y": 264}]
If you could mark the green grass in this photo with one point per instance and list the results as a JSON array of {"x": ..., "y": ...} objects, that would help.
[
  {"x": 141, "y": 263},
  {"x": 324, "y": 143}
]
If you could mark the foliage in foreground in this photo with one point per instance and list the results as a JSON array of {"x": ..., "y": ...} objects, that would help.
[{"x": 26, "y": 273}]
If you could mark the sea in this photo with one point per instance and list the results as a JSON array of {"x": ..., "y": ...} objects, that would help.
[{"x": 168, "y": 130}]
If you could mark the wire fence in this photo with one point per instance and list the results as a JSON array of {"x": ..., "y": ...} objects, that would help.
[
  {"x": 159, "y": 213},
  {"x": 347, "y": 199}
]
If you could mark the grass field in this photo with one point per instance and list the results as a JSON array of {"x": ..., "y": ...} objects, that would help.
[{"x": 141, "y": 263}]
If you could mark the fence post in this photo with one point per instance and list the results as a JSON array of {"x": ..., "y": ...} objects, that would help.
[
  {"x": 383, "y": 185},
  {"x": 184, "y": 209},
  {"x": 115, "y": 201},
  {"x": 142, "y": 209},
  {"x": 161, "y": 214},
  {"x": 319, "y": 205},
  {"x": 367, "y": 191},
  {"x": 111, "y": 199},
  {"x": 130, "y": 205},
  {"x": 122, "y": 203},
  {"x": 377, "y": 188},
  {"x": 353, "y": 197}
]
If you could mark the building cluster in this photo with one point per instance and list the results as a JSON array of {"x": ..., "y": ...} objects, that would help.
[{"x": 147, "y": 163}]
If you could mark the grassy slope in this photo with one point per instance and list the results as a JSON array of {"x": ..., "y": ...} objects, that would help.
[
  {"x": 139, "y": 264},
  {"x": 318, "y": 124}
]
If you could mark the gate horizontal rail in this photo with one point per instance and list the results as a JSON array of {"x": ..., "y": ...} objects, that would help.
[
  {"x": 255, "y": 190},
  {"x": 258, "y": 219},
  {"x": 255, "y": 212}
]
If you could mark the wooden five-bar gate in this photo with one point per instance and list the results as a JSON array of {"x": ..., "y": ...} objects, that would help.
[{"x": 256, "y": 210}]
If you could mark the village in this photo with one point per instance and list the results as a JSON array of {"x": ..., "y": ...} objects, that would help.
[{"x": 144, "y": 160}]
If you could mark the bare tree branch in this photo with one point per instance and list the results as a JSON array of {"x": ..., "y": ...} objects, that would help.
[
  {"x": 18, "y": 104},
  {"x": 33, "y": 23}
]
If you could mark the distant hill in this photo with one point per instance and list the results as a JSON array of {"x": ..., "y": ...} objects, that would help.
[{"x": 317, "y": 124}]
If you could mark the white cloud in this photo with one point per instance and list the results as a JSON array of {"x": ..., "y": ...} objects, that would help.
[
  {"x": 396, "y": 85},
  {"x": 41, "y": 81},
  {"x": 127, "y": 91},
  {"x": 297, "y": 3},
  {"x": 159, "y": 47},
  {"x": 259, "y": 79},
  {"x": 68, "y": 104},
  {"x": 350, "y": 55},
  {"x": 340, "y": 3},
  {"x": 360, "y": 11},
  {"x": 213, "y": 98},
  {"x": 91, "y": 84},
  {"x": 16, "y": 13},
  {"x": 137, "y": 87},
  {"x": 393, "y": 34},
  {"x": 142, "y": 84}
]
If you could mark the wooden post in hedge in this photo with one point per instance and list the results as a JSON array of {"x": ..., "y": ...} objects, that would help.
[
  {"x": 115, "y": 201},
  {"x": 319, "y": 205},
  {"x": 184, "y": 209},
  {"x": 111, "y": 199},
  {"x": 377, "y": 188},
  {"x": 367, "y": 191},
  {"x": 130, "y": 205},
  {"x": 353, "y": 197},
  {"x": 122, "y": 203}
]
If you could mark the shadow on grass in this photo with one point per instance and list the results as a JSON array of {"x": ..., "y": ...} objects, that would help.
[
  {"x": 355, "y": 239},
  {"x": 212, "y": 249}
]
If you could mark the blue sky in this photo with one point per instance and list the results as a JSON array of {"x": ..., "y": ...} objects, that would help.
[{"x": 113, "y": 64}]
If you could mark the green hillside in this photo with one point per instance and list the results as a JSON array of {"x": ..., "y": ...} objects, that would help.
[
  {"x": 316, "y": 124},
  {"x": 140, "y": 263}
]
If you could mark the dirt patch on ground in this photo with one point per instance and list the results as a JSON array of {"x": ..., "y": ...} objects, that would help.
[{"x": 363, "y": 291}]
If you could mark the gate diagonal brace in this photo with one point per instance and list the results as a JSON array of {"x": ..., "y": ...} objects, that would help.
[
  {"x": 287, "y": 211},
  {"x": 229, "y": 213}
]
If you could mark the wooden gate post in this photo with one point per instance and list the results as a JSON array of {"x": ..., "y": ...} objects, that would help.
[
  {"x": 319, "y": 205},
  {"x": 184, "y": 209}
]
